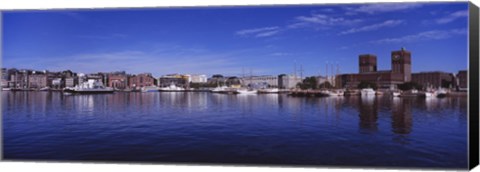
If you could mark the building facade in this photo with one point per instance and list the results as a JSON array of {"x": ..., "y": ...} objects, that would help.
[
  {"x": 400, "y": 73},
  {"x": 37, "y": 81},
  {"x": 141, "y": 80},
  {"x": 434, "y": 79},
  {"x": 117, "y": 81},
  {"x": 288, "y": 81},
  {"x": 367, "y": 63},
  {"x": 462, "y": 80},
  {"x": 71, "y": 81},
  {"x": 175, "y": 79},
  {"x": 260, "y": 81},
  {"x": 199, "y": 78}
]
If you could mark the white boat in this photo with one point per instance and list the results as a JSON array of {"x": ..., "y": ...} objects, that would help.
[
  {"x": 410, "y": 93},
  {"x": 246, "y": 91},
  {"x": 45, "y": 89},
  {"x": 429, "y": 94},
  {"x": 269, "y": 90},
  {"x": 367, "y": 92},
  {"x": 220, "y": 89},
  {"x": 335, "y": 93},
  {"x": 172, "y": 88},
  {"x": 150, "y": 89},
  {"x": 396, "y": 94},
  {"x": 91, "y": 86},
  {"x": 6, "y": 89},
  {"x": 441, "y": 92}
]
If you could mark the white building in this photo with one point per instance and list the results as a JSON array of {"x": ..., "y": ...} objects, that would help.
[
  {"x": 266, "y": 80},
  {"x": 198, "y": 78},
  {"x": 289, "y": 81}
]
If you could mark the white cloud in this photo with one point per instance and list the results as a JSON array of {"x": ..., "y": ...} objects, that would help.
[
  {"x": 423, "y": 36},
  {"x": 388, "y": 23},
  {"x": 452, "y": 17},
  {"x": 259, "y": 32},
  {"x": 280, "y": 54},
  {"x": 384, "y": 7},
  {"x": 266, "y": 34},
  {"x": 322, "y": 21}
]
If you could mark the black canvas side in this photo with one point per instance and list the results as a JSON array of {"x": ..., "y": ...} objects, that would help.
[{"x": 473, "y": 86}]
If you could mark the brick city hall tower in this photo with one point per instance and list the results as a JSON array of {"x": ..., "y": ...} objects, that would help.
[
  {"x": 402, "y": 63},
  {"x": 367, "y": 63}
]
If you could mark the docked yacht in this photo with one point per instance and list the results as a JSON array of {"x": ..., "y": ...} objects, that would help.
[
  {"x": 335, "y": 93},
  {"x": 150, "y": 89},
  {"x": 410, "y": 93},
  {"x": 246, "y": 91},
  {"x": 269, "y": 90},
  {"x": 172, "y": 88},
  {"x": 44, "y": 89},
  {"x": 220, "y": 89},
  {"x": 441, "y": 92},
  {"x": 396, "y": 93},
  {"x": 91, "y": 86},
  {"x": 367, "y": 92}
]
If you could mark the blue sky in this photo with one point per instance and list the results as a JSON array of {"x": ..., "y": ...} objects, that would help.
[{"x": 225, "y": 40}]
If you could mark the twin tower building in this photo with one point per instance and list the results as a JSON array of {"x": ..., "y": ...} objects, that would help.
[{"x": 401, "y": 71}]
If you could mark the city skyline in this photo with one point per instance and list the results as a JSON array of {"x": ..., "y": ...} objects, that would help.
[{"x": 269, "y": 40}]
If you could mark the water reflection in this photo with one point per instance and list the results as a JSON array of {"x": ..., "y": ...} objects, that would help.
[
  {"x": 368, "y": 114},
  {"x": 205, "y": 126},
  {"x": 402, "y": 115}
]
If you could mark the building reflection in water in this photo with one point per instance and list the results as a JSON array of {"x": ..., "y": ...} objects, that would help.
[
  {"x": 368, "y": 115},
  {"x": 402, "y": 115},
  {"x": 83, "y": 104}
]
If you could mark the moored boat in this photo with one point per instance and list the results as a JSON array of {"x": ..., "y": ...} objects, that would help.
[
  {"x": 335, "y": 93},
  {"x": 441, "y": 93},
  {"x": 171, "y": 88},
  {"x": 410, "y": 93},
  {"x": 367, "y": 92},
  {"x": 89, "y": 87},
  {"x": 150, "y": 89},
  {"x": 269, "y": 90},
  {"x": 44, "y": 89},
  {"x": 220, "y": 89},
  {"x": 396, "y": 94},
  {"x": 246, "y": 91}
]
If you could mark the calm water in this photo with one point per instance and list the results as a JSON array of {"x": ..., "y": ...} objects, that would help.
[{"x": 253, "y": 129}]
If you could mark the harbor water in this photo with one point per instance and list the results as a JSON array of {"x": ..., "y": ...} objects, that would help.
[{"x": 267, "y": 129}]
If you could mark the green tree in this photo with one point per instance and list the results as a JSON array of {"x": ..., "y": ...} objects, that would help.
[
  {"x": 446, "y": 84},
  {"x": 308, "y": 83},
  {"x": 325, "y": 84}
]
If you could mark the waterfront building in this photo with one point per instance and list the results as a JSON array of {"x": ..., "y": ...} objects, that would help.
[
  {"x": 400, "y": 73},
  {"x": 176, "y": 79},
  {"x": 5, "y": 74},
  {"x": 288, "y": 81},
  {"x": 367, "y": 63},
  {"x": 462, "y": 80},
  {"x": 117, "y": 81},
  {"x": 37, "y": 80},
  {"x": 68, "y": 74},
  {"x": 71, "y": 81},
  {"x": 5, "y": 78},
  {"x": 57, "y": 83},
  {"x": 260, "y": 81},
  {"x": 19, "y": 78},
  {"x": 198, "y": 78},
  {"x": 141, "y": 80},
  {"x": 217, "y": 79},
  {"x": 434, "y": 79}
]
